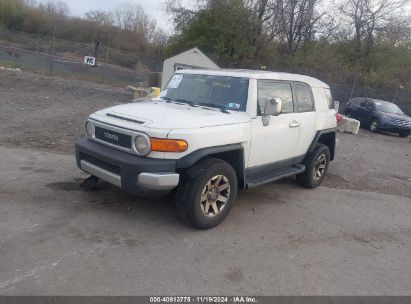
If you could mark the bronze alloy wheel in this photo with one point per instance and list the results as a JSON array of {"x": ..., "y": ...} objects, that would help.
[
  {"x": 215, "y": 195},
  {"x": 320, "y": 167}
]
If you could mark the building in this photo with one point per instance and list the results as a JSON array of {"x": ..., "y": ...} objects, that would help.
[{"x": 191, "y": 59}]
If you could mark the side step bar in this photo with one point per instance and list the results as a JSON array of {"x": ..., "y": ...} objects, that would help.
[{"x": 261, "y": 178}]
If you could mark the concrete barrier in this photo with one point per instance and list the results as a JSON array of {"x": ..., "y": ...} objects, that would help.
[{"x": 348, "y": 125}]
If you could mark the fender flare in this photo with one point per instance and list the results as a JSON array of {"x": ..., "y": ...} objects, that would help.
[
  {"x": 238, "y": 163},
  {"x": 317, "y": 137}
]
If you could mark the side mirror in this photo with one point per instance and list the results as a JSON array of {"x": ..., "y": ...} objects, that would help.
[{"x": 273, "y": 107}]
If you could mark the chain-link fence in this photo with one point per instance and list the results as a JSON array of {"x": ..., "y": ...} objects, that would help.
[
  {"x": 343, "y": 93},
  {"x": 48, "y": 55}
]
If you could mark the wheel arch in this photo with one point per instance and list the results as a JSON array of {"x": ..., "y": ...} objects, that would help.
[
  {"x": 326, "y": 137},
  {"x": 374, "y": 117},
  {"x": 232, "y": 154}
]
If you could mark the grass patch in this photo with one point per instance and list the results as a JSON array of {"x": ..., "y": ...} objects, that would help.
[{"x": 9, "y": 64}]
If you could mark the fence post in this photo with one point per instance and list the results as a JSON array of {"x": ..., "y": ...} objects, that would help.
[
  {"x": 108, "y": 47},
  {"x": 52, "y": 50},
  {"x": 353, "y": 89}
]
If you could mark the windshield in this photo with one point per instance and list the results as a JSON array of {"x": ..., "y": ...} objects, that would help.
[
  {"x": 388, "y": 107},
  {"x": 223, "y": 92}
]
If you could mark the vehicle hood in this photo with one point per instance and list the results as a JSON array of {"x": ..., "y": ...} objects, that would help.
[
  {"x": 396, "y": 116},
  {"x": 162, "y": 115}
]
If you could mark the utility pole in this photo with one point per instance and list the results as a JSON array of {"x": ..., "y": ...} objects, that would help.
[
  {"x": 108, "y": 47},
  {"x": 353, "y": 89},
  {"x": 52, "y": 50},
  {"x": 96, "y": 46}
]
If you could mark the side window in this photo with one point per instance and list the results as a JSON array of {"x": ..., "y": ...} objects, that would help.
[
  {"x": 355, "y": 101},
  {"x": 269, "y": 90},
  {"x": 358, "y": 101},
  {"x": 364, "y": 103},
  {"x": 304, "y": 98},
  {"x": 370, "y": 105}
]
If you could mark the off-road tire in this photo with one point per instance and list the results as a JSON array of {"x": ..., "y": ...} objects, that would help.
[
  {"x": 306, "y": 179},
  {"x": 192, "y": 185}
]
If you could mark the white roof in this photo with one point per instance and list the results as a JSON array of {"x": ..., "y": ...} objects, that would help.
[
  {"x": 195, "y": 51},
  {"x": 255, "y": 74}
]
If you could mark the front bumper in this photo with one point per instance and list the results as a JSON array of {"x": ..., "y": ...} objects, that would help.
[
  {"x": 394, "y": 128},
  {"x": 134, "y": 174}
]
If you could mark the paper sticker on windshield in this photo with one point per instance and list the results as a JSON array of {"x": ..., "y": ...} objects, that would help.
[
  {"x": 220, "y": 84},
  {"x": 175, "y": 82},
  {"x": 233, "y": 105}
]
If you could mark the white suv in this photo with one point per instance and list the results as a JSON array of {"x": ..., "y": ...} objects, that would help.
[{"x": 211, "y": 133}]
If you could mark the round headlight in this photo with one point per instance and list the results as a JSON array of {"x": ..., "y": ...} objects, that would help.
[
  {"x": 142, "y": 145},
  {"x": 89, "y": 129}
]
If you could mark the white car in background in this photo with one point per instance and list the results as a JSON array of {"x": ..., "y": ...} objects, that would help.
[{"x": 210, "y": 134}]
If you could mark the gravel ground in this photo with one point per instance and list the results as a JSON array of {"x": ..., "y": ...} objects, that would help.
[
  {"x": 350, "y": 236},
  {"x": 49, "y": 114},
  {"x": 279, "y": 239}
]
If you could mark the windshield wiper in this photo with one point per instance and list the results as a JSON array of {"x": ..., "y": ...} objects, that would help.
[
  {"x": 190, "y": 103},
  {"x": 213, "y": 105},
  {"x": 168, "y": 100}
]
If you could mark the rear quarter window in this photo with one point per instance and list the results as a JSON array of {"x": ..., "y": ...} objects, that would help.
[{"x": 304, "y": 97}]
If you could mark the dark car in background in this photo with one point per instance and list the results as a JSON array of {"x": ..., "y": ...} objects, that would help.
[{"x": 379, "y": 115}]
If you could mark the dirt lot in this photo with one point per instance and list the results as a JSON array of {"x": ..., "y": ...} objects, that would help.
[
  {"x": 352, "y": 236},
  {"x": 48, "y": 114}
]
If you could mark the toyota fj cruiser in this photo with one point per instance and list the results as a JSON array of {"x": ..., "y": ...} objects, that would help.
[{"x": 211, "y": 133}]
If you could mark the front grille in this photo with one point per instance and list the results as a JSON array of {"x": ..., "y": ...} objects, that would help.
[
  {"x": 403, "y": 123},
  {"x": 114, "y": 138},
  {"x": 101, "y": 164}
]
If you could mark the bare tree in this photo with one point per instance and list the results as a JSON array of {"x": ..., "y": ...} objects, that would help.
[
  {"x": 180, "y": 15},
  {"x": 260, "y": 15},
  {"x": 100, "y": 17},
  {"x": 132, "y": 18},
  {"x": 397, "y": 31},
  {"x": 293, "y": 21},
  {"x": 55, "y": 8},
  {"x": 369, "y": 17},
  {"x": 30, "y": 3}
]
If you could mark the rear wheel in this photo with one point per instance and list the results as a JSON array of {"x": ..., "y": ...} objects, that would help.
[
  {"x": 316, "y": 166},
  {"x": 374, "y": 125},
  {"x": 207, "y": 193}
]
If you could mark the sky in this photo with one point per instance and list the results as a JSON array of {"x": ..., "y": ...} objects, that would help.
[{"x": 153, "y": 8}]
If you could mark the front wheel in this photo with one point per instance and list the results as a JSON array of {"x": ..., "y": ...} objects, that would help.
[
  {"x": 374, "y": 125},
  {"x": 316, "y": 166},
  {"x": 207, "y": 193}
]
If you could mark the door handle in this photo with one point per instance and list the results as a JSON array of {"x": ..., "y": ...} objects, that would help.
[{"x": 295, "y": 124}]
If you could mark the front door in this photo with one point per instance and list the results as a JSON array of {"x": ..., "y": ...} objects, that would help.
[
  {"x": 278, "y": 141},
  {"x": 365, "y": 111}
]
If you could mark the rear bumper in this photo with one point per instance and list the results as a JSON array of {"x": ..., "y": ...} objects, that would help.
[{"x": 134, "y": 174}]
